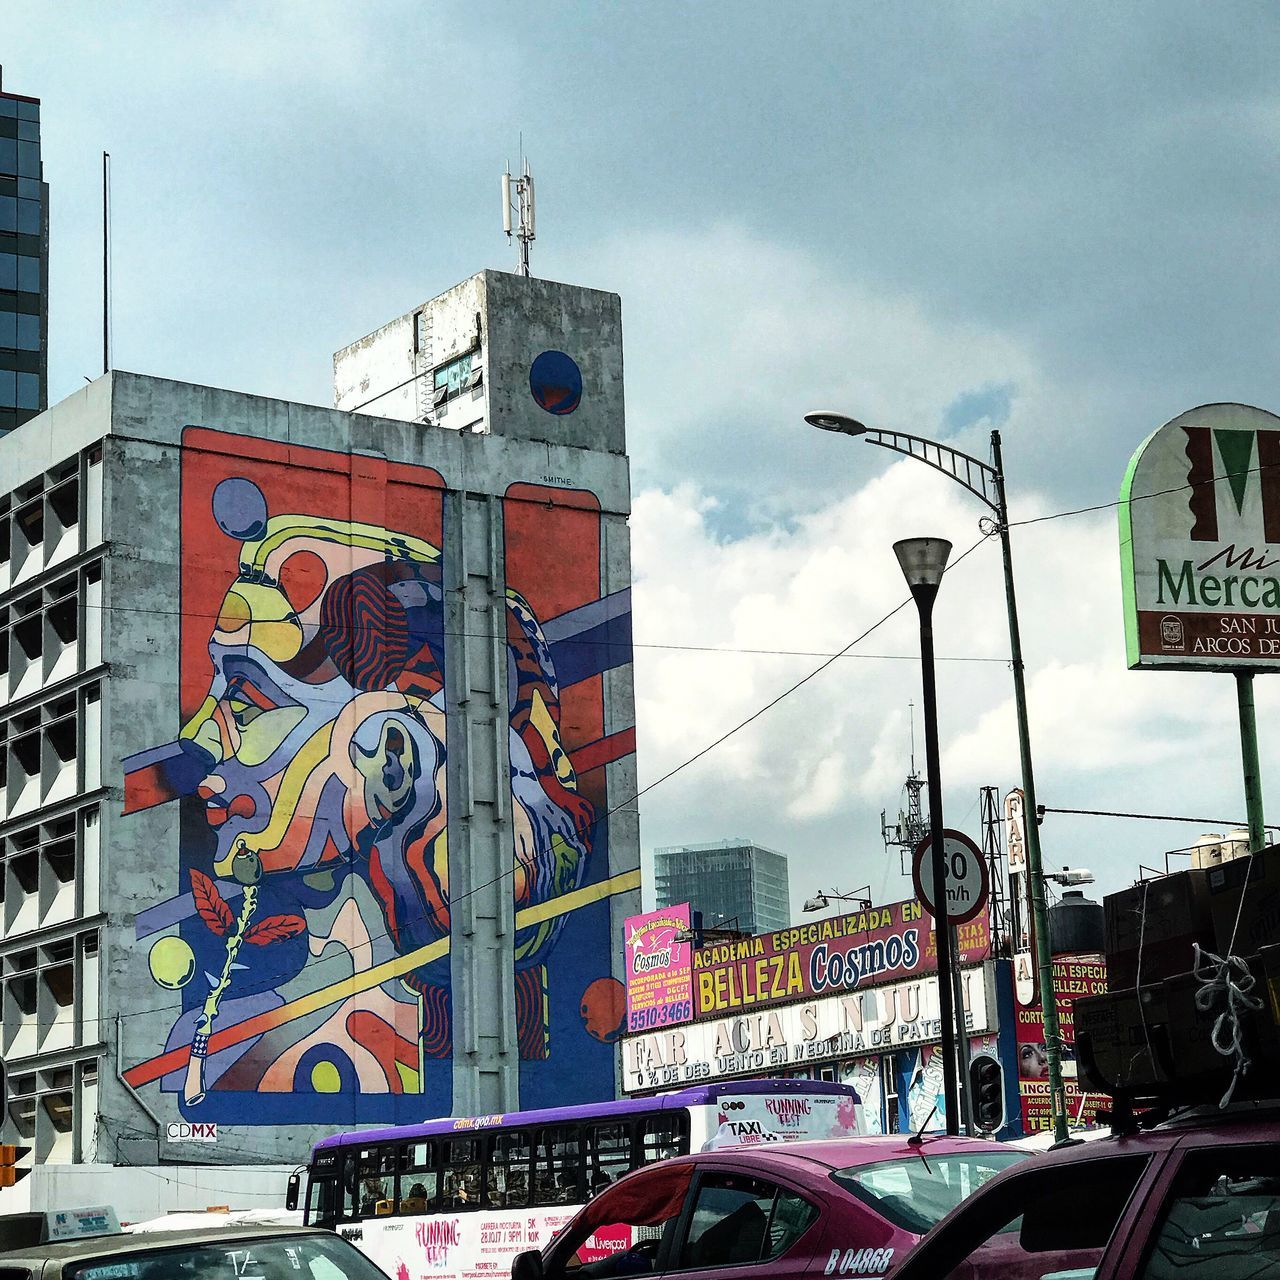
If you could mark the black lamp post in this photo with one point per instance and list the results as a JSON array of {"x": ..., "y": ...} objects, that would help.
[
  {"x": 986, "y": 481},
  {"x": 924, "y": 561}
]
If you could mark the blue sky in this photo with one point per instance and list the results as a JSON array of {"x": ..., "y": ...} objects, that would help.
[{"x": 1055, "y": 219}]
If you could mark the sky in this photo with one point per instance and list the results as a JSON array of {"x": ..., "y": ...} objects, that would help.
[{"x": 1050, "y": 219}]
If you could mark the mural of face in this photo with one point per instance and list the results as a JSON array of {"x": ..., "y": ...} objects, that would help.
[{"x": 316, "y": 752}]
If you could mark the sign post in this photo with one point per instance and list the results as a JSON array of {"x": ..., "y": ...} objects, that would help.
[
  {"x": 1199, "y": 514},
  {"x": 967, "y": 887}
]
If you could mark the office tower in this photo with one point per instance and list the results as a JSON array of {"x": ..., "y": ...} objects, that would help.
[
  {"x": 24, "y": 263},
  {"x": 734, "y": 883}
]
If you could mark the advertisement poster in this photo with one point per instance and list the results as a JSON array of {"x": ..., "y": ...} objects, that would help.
[
  {"x": 470, "y": 1246},
  {"x": 1073, "y": 977},
  {"x": 841, "y": 954},
  {"x": 751, "y": 1119},
  {"x": 659, "y": 969}
]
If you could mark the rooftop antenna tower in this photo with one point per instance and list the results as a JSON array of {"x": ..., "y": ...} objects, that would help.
[
  {"x": 910, "y": 827},
  {"x": 519, "y": 215}
]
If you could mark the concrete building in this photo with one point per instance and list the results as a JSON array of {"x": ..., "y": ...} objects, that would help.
[
  {"x": 729, "y": 881},
  {"x": 317, "y": 736},
  {"x": 24, "y": 263}
]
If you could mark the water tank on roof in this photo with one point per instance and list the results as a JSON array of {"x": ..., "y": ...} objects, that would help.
[{"x": 1075, "y": 924}]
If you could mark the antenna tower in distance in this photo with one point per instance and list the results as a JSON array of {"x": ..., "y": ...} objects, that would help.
[{"x": 519, "y": 217}]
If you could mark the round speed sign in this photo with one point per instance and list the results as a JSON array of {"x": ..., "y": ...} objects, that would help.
[{"x": 967, "y": 881}]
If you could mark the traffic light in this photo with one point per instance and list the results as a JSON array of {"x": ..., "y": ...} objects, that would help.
[
  {"x": 986, "y": 1089},
  {"x": 10, "y": 1174}
]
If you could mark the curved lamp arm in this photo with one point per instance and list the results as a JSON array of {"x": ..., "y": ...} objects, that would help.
[{"x": 980, "y": 478}]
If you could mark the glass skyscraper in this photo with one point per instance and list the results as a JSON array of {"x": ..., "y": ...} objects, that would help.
[
  {"x": 734, "y": 883},
  {"x": 24, "y": 264}
]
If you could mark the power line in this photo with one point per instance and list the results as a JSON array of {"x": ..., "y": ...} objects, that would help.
[{"x": 1151, "y": 817}]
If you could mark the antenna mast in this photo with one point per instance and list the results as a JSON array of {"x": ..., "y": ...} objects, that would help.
[
  {"x": 911, "y": 827},
  {"x": 517, "y": 200}
]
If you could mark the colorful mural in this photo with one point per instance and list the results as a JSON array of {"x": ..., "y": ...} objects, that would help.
[
  {"x": 565, "y": 995},
  {"x": 308, "y": 929}
]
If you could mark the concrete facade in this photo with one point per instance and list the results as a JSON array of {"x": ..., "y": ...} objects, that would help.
[{"x": 184, "y": 938}]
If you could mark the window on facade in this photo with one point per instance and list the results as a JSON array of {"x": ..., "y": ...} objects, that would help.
[
  {"x": 27, "y": 394},
  {"x": 59, "y": 1110},
  {"x": 60, "y": 979},
  {"x": 22, "y": 1112}
]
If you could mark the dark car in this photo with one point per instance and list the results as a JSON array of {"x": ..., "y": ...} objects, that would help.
[
  {"x": 851, "y": 1207},
  {"x": 207, "y": 1253},
  {"x": 1196, "y": 1198}
]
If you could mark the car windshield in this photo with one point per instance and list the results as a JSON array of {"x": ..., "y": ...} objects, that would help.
[
  {"x": 915, "y": 1192},
  {"x": 285, "y": 1257}
]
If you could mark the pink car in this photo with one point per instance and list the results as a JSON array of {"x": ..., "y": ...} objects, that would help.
[
  {"x": 846, "y": 1208},
  {"x": 1197, "y": 1198}
]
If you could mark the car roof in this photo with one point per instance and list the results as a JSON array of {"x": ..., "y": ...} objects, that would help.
[
  {"x": 1241, "y": 1122},
  {"x": 121, "y": 1244}
]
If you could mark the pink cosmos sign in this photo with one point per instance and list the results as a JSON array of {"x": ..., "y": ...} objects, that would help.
[{"x": 659, "y": 968}]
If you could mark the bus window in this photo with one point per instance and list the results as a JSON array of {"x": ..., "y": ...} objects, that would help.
[
  {"x": 376, "y": 1179},
  {"x": 419, "y": 1177},
  {"x": 663, "y": 1136},
  {"x": 556, "y": 1173},
  {"x": 509, "y": 1161},
  {"x": 608, "y": 1155},
  {"x": 461, "y": 1174}
]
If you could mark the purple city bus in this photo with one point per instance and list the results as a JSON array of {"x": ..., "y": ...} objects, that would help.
[{"x": 461, "y": 1197}]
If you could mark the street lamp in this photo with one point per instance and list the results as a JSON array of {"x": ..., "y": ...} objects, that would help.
[
  {"x": 986, "y": 481},
  {"x": 924, "y": 561},
  {"x": 821, "y": 901}
]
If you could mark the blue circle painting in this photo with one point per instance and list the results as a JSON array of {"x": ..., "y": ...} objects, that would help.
[
  {"x": 240, "y": 509},
  {"x": 556, "y": 382}
]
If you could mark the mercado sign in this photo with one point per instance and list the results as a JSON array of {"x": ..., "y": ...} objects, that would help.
[
  {"x": 843, "y": 953},
  {"x": 659, "y": 975},
  {"x": 1200, "y": 543},
  {"x": 876, "y": 1020},
  {"x": 1073, "y": 977}
]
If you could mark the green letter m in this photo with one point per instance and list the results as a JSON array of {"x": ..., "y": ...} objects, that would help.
[{"x": 1185, "y": 580}]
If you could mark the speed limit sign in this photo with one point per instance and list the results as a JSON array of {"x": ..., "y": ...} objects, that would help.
[{"x": 967, "y": 880}]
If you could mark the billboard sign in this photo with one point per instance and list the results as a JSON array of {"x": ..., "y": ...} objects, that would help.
[
  {"x": 1200, "y": 543},
  {"x": 658, "y": 954},
  {"x": 842, "y": 953},
  {"x": 878, "y": 1020},
  {"x": 1073, "y": 977}
]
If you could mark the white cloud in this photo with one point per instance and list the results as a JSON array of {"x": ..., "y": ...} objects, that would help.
[{"x": 811, "y": 776}]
